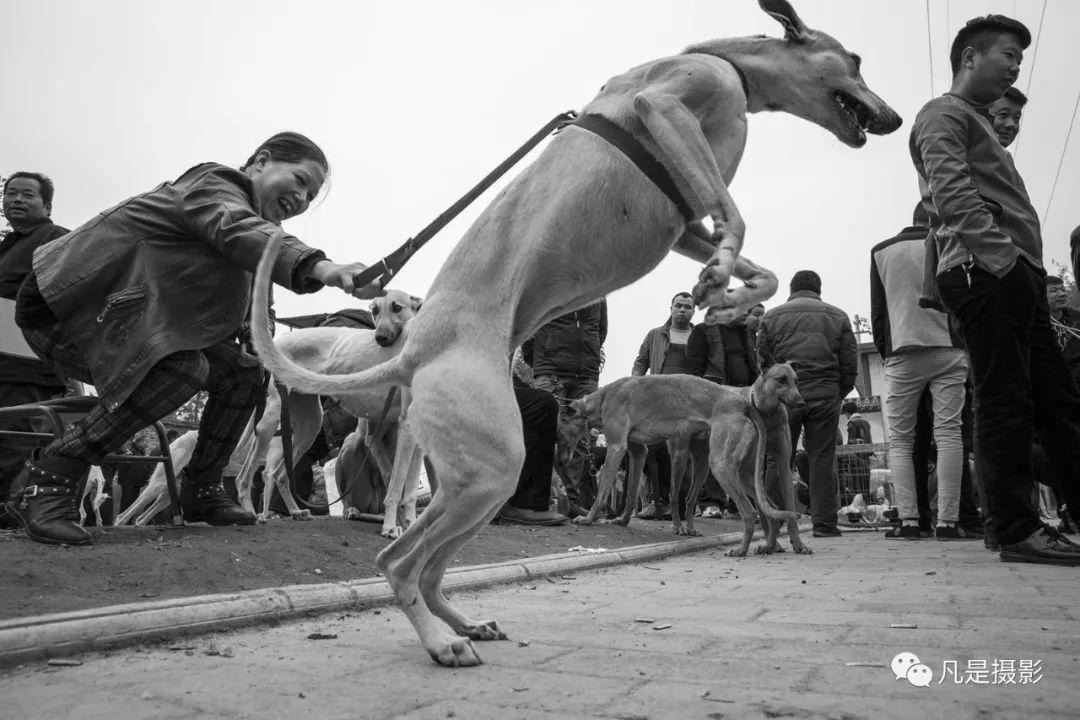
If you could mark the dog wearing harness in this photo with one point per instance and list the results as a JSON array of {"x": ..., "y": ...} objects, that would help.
[{"x": 580, "y": 222}]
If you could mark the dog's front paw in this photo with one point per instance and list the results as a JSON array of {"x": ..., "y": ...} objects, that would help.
[
  {"x": 301, "y": 515},
  {"x": 736, "y": 552},
  {"x": 392, "y": 533},
  {"x": 262, "y": 518},
  {"x": 583, "y": 520},
  {"x": 801, "y": 549},
  {"x": 457, "y": 652},
  {"x": 483, "y": 630},
  {"x": 351, "y": 513}
]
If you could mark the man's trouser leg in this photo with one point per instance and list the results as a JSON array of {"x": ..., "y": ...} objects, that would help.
[
  {"x": 539, "y": 419},
  {"x": 905, "y": 385},
  {"x": 997, "y": 318},
  {"x": 920, "y": 459},
  {"x": 820, "y": 419},
  {"x": 578, "y": 482},
  {"x": 947, "y": 388},
  {"x": 1057, "y": 405}
]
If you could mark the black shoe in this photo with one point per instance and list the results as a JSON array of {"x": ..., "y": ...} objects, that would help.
[
  {"x": 510, "y": 515},
  {"x": 954, "y": 532},
  {"x": 904, "y": 532},
  {"x": 209, "y": 503},
  {"x": 1045, "y": 546},
  {"x": 991, "y": 543},
  {"x": 827, "y": 531},
  {"x": 45, "y": 500}
]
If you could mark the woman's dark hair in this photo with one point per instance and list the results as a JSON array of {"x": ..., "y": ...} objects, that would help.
[{"x": 290, "y": 147}]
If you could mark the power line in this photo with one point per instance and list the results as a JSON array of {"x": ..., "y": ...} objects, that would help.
[
  {"x": 1061, "y": 160},
  {"x": 1031, "y": 75},
  {"x": 930, "y": 48}
]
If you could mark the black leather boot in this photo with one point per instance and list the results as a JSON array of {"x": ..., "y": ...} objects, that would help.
[
  {"x": 203, "y": 499},
  {"x": 45, "y": 500}
]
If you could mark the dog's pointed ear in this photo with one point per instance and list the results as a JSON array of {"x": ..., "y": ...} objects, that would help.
[
  {"x": 783, "y": 13},
  {"x": 415, "y": 302}
]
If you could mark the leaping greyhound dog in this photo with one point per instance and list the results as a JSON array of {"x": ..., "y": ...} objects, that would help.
[{"x": 582, "y": 221}]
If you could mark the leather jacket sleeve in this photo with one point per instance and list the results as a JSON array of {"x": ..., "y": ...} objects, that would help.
[{"x": 219, "y": 209}]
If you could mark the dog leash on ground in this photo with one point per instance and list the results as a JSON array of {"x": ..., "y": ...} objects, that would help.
[{"x": 392, "y": 263}]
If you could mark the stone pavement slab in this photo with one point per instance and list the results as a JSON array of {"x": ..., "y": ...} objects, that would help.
[{"x": 757, "y": 637}]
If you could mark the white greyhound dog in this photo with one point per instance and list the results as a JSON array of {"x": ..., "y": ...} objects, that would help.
[
  {"x": 339, "y": 350},
  {"x": 323, "y": 349},
  {"x": 592, "y": 214}
]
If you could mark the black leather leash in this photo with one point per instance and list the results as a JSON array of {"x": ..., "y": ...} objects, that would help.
[
  {"x": 287, "y": 448},
  {"x": 389, "y": 266}
]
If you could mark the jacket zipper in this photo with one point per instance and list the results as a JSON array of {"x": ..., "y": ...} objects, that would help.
[{"x": 118, "y": 301}]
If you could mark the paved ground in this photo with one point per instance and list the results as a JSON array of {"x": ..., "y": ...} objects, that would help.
[{"x": 782, "y": 636}]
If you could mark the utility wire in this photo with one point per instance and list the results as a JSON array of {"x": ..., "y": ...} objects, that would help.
[
  {"x": 930, "y": 48},
  {"x": 1061, "y": 160},
  {"x": 1031, "y": 75}
]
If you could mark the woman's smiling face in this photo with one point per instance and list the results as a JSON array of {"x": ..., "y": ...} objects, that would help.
[{"x": 283, "y": 189}]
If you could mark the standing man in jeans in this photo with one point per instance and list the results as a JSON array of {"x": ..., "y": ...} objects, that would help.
[
  {"x": 920, "y": 352},
  {"x": 817, "y": 340},
  {"x": 990, "y": 277},
  {"x": 566, "y": 355},
  {"x": 663, "y": 352}
]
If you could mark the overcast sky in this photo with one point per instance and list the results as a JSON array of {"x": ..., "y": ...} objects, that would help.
[{"x": 414, "y": 102}]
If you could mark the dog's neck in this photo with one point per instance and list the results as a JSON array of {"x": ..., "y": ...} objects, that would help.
[
  {"x": 757, "y": 61},
  {"x": 761, "y": 399}
]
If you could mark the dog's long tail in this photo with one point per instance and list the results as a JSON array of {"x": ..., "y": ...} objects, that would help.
[
  {"x": 763, "y": 503},
  {"x": 283, "y": 368}
]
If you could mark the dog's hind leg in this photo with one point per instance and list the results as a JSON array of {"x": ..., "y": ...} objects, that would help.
[
  {"x": 466, "y": 420},
  {"x": 633, "y": 480},
  {"x": 699, "y": 453},
  {"x": 305, "y": 415},
  {"x": 731, "y": 444},
  {"x": 781, "y": 446},
  {"x": 679, "y": 452},
  {"x": 615, "y": 451}
]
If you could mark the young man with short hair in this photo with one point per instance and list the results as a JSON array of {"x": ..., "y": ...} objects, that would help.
[{"x": 990, "y": 277}]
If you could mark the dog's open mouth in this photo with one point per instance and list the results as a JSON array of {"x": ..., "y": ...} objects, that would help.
[{"x": 856, "y": 114}]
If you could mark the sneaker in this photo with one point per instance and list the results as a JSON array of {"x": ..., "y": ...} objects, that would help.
[
  {"x": 510, "y": 515},
  {"x": 648, "y": 512},
  {"x": 1045, "y": 546},
  {"x": 711, "y": 511},
  {"x": 954, "y": 532},
  {"x": 904, "y": 532},
  {"x": 827, "y": 531}
]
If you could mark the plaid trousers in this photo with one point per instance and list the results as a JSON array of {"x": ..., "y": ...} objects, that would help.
[{"x": 233, "y": 388}]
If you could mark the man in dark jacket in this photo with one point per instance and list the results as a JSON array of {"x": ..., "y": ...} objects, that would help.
[
  {"x": 817, "y": 340},
  {"x": 27, "y": 205},
  {"x": 663, "y": 352},
  {"x": 566, "y": 355}
]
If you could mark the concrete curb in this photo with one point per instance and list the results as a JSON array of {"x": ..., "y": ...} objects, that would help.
[{"x": 63, "y": 634}]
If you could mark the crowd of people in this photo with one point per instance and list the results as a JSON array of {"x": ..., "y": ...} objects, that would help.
[{"x": 980, "y": 350}]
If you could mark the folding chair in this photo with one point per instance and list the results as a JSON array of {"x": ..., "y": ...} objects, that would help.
[{"x": 56, "y": 414}]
